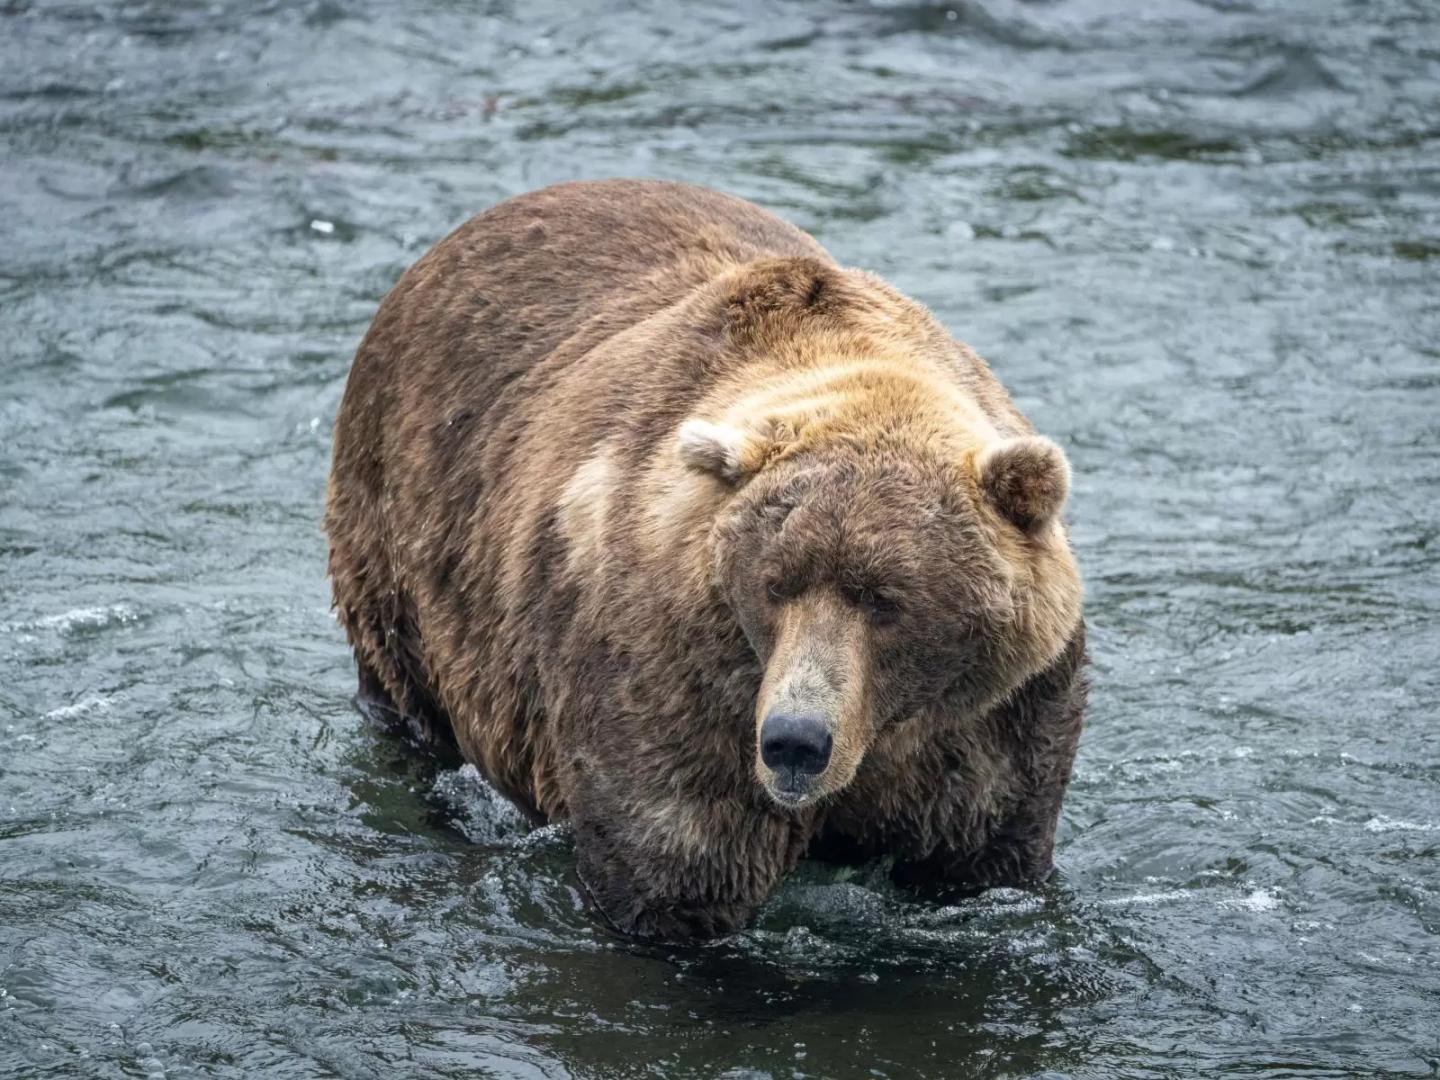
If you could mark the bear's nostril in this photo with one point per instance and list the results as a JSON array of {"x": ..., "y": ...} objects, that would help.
[{"x": 799, "y": 743}]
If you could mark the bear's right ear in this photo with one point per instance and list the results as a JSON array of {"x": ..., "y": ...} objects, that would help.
[{"x": 723, "y": 450}]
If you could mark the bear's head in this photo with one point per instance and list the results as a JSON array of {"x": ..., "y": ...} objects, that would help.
[{"x": 885, "y": 575}]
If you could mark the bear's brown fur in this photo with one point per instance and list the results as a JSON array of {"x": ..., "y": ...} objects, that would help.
[{"x": 624, "y": 468}]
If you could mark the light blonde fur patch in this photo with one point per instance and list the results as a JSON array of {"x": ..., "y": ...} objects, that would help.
[
  {"x": 675, "y": 824},
  {"x": 584, "y": 508},
  {"x": 860, "y": 399}
]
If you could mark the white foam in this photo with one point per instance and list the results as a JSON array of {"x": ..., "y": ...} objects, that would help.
[
  {"x": 1164, "y": 896},
  {"x": 1257, "y": 900},
  {"x": 85, "y": 618},
  {"x": 83, "y": 707},
  {"x": 1380, "y": 823},
  {"x": 482, "y": 814}
]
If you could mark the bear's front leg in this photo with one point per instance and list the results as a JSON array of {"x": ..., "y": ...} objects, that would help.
[
  {"x": 1034, "y": 736},
  {"x": 669, "y": 864},
  {"x": 1017, "y": 851}
]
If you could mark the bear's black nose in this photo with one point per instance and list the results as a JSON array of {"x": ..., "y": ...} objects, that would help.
[{"x": 795, "y": 744}]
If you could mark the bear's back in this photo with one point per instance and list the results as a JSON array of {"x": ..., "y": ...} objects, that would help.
[{"x": 529, "y": 272}]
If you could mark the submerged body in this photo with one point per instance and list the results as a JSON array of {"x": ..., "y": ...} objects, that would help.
[{"x": 711, "y": 547}]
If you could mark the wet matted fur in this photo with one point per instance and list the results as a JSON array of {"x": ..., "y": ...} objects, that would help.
[{"x": 623, "y": 467}]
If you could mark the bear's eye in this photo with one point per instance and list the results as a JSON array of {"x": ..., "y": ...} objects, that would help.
[
  {"x": 876, "y": 603},
  {"x": 779, "y": 590},
  {"x": 777, "y": 513}
]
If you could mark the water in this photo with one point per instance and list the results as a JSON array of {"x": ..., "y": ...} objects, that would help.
[{"x": 1199, "y": 241}]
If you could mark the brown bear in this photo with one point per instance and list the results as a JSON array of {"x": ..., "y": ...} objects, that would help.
[{"x": 718, "y": 550}]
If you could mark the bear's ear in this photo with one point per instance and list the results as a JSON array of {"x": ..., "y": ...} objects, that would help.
[
  {"x": 726, "y": 451},
  {"x": 1028, "y": 479}
]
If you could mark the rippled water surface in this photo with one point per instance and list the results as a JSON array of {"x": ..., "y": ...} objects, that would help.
[{"x": 1199, "y": 241}]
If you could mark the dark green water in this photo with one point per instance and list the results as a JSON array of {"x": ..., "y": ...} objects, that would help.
[{"x": 1199, "y": 241}]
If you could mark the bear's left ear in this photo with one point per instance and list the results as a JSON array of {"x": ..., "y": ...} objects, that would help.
[
  {"x": 1028, "y": 479},
  {"x": 726, "y": 451}
]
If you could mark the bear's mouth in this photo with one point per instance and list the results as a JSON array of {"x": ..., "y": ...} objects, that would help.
[{"x": 791, "y": 788}]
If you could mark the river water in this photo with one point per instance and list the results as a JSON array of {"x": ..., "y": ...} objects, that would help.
[{"x": 1200, "y": 242}]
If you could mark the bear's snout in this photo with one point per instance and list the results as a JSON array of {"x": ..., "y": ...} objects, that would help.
[{"x": 796, "y": 749}]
